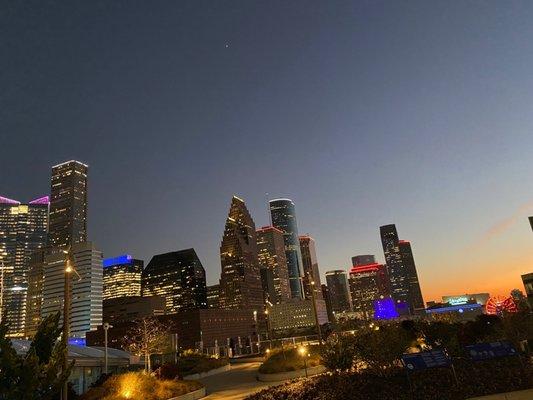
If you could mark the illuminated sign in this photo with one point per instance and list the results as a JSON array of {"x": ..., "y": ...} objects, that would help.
[{"x": 454, "y": 301}]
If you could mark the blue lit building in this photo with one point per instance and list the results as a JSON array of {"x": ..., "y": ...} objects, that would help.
[
  {"x": 284, "y": 218},
  {"x": 122, "y": 277}
]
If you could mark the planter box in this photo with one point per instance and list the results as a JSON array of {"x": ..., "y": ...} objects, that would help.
[
  {"x": 195, "y": 377},
  {"x": 284, "y": 376},
  {"x": 197, "y": 394}
]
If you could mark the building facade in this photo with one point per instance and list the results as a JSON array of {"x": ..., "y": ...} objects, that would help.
[
  {"x": 368, "y": 283},
  {"x": 122, "y": 276},
  {"x": 283, "y": 214},
  {"x": 311, "y": 279},
  {"x": 240, "y": 279},
  {"x": 132, "y": 308},
  {"x": 273, "y": 264},
  {"x": 405, "y": 287},
  {"x": 527, "y": 279},
  {"x": 68, "y": 204},
  {"x": 339, "y": 293},
  {"x": 177, "y": 276},
  {"x": 364, "y": 259},
  {"x": 23, "y": 231},
  {"x": 296, "y": 314},
  {"x": 327, "y": 301},
  {"x": 213, "y": 295},
  {"x": 86, "y": 290}
]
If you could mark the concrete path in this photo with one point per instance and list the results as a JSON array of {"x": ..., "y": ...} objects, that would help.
[{"x": 236, "y": 383}]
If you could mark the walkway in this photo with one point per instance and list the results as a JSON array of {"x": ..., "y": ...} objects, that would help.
[{"x": 234, "y": 384}]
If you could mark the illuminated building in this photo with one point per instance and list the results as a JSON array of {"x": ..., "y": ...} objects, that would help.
[
  {"x": 527, "y": 279},
  {"x": 177, "y": 276},
  {"x": 86, "y": 292},
  {"x": 339, "y": 294},
  {"x": 464, "y": 312},
  {"x": 122, "y": 277},
  {"x": 385, "y": 309},
  {"x": 327, "y": 300},
  {"x": 295, "y": 314},
  {"x": 283, "y": 216},
  {"x": 401, "y": 269},
  {"x": 68, "y": 204},
  {"x": 364, "y": 259},
  {"x": 273, "y": 264},
  {"x": 213, "y": 295},
  {"x": 310, "y": 265},
  {"x": 240, "y": 279},
  {"x": 34, "y": 296},
  {"x": 454, "y": 300},
  {"x": 368, "y": 283},
  {"x": 23, "y": 230}
]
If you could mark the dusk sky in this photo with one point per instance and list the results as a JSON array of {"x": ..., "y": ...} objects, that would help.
[{"x": 363, "y": 112}]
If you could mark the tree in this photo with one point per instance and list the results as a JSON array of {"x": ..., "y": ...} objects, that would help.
[
  {"x": 38, "y": 374},
  {"x": 148, "y": 337},
  {"x": 338, "y": 352}
]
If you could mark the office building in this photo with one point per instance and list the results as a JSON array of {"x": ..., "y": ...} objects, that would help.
[
  {"x": 177, "y": 276},
  {"x": 122, "y": 276},
  {"x": 310, "y": 266},
  {"x": 368, "y": 283},
  {"x": 34, "y": 296},
  {"x": 131, "y": 308},
  {"x": 213, "y": 295},
  {"x": 339, "y": 293},
  {"x": 23, "y": 230},
  {"x": 364, "y": 259},
  {"x": 296, "y": 314},
  {"x": 405, "y": 288},
  {"x": 283, "y": 216},
  {"x": 86, "y": 287},
  {"x": 327, "y": 301},
  {"x": 467, "y": 298},
  {"x": 273, "y": 264},
  {"x": 527, "y": 279},
  {"x": 68, "y": 204},
  {"x": 240, "y": 280}
]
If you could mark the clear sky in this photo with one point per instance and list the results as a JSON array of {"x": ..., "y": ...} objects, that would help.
[{"x": 418, "y": 113}]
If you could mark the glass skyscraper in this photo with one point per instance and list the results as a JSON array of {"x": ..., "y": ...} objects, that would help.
[
  {"x": 240, "y": 279},
  {"x": 122, "y": 277},
  {"x": 177, "y": 276},
  {"x": 310, "y": 265},
  {"x": 23, "y": 230},
  {"x": 68, "y": 204},
  {"x": 283, "y": 216},
  {"x": 339, "y": 292}
]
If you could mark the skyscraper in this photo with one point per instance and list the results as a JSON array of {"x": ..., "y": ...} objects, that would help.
[
  {"x": 68, "y": 204},
  {"x": 368, "y": 282},
  {"x": 284, "y": 218},
  {"x": 240, "y": 279},
  {"x": 86, "y": 292},
  {"x": 122, "y": 277},
  {"x": 23, "y": 230},
  {"x": 177, "y": 276},
  {"x": 213, "y": 295},
  {"x": 339, "y": 293},
  {"x": 310, "y": 265},
  {"x": 271, "y": 254},
  {"x": 401, "y": 269},
  {"x": 364, "y": 259}
]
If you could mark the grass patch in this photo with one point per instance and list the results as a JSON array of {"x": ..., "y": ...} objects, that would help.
[
  {"x": 138, "y": 385},
  {"x": 290, "y": 359}
]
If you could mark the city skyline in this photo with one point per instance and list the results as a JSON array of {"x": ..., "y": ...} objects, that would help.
[{"x": 428, "y": 128}]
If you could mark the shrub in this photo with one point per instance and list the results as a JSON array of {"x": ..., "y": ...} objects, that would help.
[
  {"x": 290, "y": 360},
  {"x": 139, "y": 385},
  {"x": 338, "y": 352}
]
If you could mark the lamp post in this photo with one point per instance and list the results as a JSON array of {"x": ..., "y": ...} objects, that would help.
[
  {"x": 317, "y": 323},
  {"x": 106, "y": 327},
  {"x": 303, "y": 352}
]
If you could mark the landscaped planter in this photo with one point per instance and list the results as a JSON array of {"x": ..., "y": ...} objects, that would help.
[
  {"x": 283, "y": 376},
  {"x": 215, "y": 371},
  {"x": 197, "y": 394}
]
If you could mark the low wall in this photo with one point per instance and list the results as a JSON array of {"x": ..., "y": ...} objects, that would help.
[
  {"x": 284, "y": 376},
  {"x": 215, "y": 371},
  {"x": 197, "y": 394},
  {"x": 519, "y": 395}
]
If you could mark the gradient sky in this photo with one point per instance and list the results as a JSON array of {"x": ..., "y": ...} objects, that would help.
[{"x": 418, "y": 113}]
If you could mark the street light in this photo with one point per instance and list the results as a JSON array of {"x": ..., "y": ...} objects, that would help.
[
  {"x": 106, "y": 327},
  {"x": 303, "y": 352}
]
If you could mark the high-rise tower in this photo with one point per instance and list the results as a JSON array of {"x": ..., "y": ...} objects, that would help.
[
  {"x": 122, "y": 277},
  {"x": 339, "y": 292},
  {"x": 401, "y": 268},
  {"x": 23, "y": 230},
  {"x": 272, "y": 261},
  {"x": 310, "y": 266},
  {"x": 284, "y": 218},
  {"x": 68, "y": 204},
  {"x": 240, "y": 279}
]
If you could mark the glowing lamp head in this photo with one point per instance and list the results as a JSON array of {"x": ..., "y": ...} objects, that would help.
[{"x": 302, "y": 350}]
